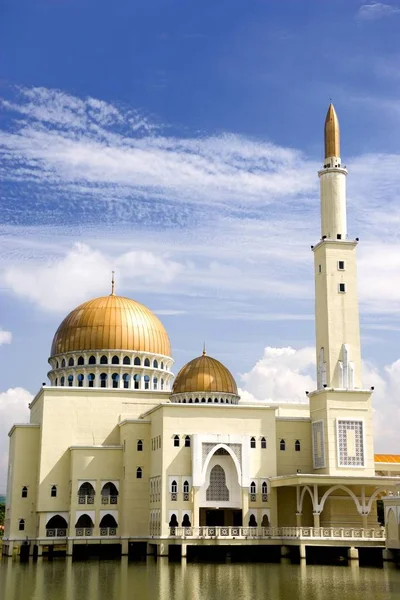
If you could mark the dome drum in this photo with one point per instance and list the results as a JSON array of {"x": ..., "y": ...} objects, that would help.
[{"x": 205, "y": 398}]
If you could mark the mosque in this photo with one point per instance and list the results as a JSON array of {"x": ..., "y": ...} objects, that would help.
[{"x": 119, "y": 453}]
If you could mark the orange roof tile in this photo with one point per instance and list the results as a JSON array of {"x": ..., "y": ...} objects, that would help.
[{"x": 387, "y": 458}]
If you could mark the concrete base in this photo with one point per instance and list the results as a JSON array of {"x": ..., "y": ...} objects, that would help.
[{"x": 353, "y": 554}]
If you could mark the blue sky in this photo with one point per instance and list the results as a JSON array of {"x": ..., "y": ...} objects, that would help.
[{"x": 179, "y": 143}]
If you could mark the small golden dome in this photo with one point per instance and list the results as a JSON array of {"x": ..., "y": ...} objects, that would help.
[
  {"x": 204, "y": 374},
  {"x": 111, "y": 323}
]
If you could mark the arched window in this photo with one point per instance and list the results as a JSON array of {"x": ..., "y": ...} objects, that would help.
[
  {"x": 81, "y": 361},
  {"x": 70, "y": 380},
  {"x": 252, "y": 521},
  {"x": 108, "y": 525},
  {"x": 84, "y": 522},
  {"x": 57, "y": 364},
  {"x": 176, "y": 441},
  {"x": 115, "y": 380},
  {"x": 63, "y": 363},
  {"x": 187, "y": 441},
  {"x": 53, "y": 491},
  {"x": 137, "y": 361},
  {"x": 127, "y": 360},
  {"x": 174, "y": 487},
  {"x": 21, "y": 525},
  {"x": 264, "y": 488},
  {"x": 265, "y": 521},
  {"x": 136, "y": 382},
  {"x": 62, "y": 381},
  {"x": 173, "y": 521},
  {"x": 297, "y": 446},
  {"x": 24, "y": 492},
  {"x": 139, "y": 473},
  {"x": 125, "y": 378},
  {"x": 139, "y": 446},
  {"x": 109, "y": 493},
  {"x": 146, "y": 362},
  {"x": 155, "y": 383},
  {"x": 186, "y": 521},
  {"x": 217, "y": 490},
  {"x": 92, "y": 360},
  {"x": 252, "y": 442},
  {"x": 155, "y": 364},
  {"x": 115, "y": 360},
  {"x": 162, "y": 365},
  {"x": 57, "y": 526},
  {"x": 253, "y": 488},
  {"x": 146, "y": 382},
  {"x": 86, "y": 489},
  {"x": 104, "y": 360},
  {"x": 282, "y": 445},
  {"x": 263, "y": 443},
  {"x": 80, "y": 380},
  {"x": 103, "y": 380},
  {"x": 56, "y": 381},
  {"x": 186, "y": 487},
  {"x": 91, "y": 378},
  {"x": 71, "y": 362},
  {"x": 190, "y": 401},
  {"x": 162, "y": 384}
]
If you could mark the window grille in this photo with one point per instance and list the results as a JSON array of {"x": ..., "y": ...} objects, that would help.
[
  {"x": 217, "y": 490},
  {"x": 350, "y": 443}
]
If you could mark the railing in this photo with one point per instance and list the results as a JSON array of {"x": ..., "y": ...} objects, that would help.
[
  {"x": 56, "y": 533},
  {"x": 84, "y": 531},
  {"x": 279, "y": 532},
  {"x": 85, "y": 499},
  {"x": 104, "y": 531},
  {"x": 109, "y": 499}
]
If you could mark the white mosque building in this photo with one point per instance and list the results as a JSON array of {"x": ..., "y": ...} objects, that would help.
[{"x": 118, "y": 452}]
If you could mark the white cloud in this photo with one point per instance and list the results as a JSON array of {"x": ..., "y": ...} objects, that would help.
[
  {"x": 284, "y": 374},
  {"x": 5, "y": 337},
  {"x": 281, "y": 375},
  {"x": 376, "y": 10},
  {"x": 83, "y": 273},
  {"x": 13, "y": 409}
]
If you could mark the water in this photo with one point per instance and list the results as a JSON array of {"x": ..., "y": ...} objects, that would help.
[{"x": 158, "y": 580}]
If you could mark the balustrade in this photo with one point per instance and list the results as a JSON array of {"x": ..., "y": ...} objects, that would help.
[
  {"x": 56, "y": 533},
  {"x": 279, "y": 532}
]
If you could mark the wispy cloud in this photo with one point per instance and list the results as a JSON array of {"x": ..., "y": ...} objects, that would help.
[
  {"x": 5, "y": 337},
  {"x": 376, "y": 10}
]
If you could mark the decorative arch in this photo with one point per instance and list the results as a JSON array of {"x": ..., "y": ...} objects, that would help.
[
  {"x": 84, "y": 522},
  {"x": 230, "y": 452},
  {"x": 305, "y": 489},
  {"x": 57, "y": 522},
  {"x": 373, "y": 496},
  {"x": 345, "y": 489}
]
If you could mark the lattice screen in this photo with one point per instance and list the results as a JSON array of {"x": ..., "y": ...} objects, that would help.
[
  {"x": 351, "y": 443},
  {"x": 318, "y": 444},
  {"x": 217, "y": 490}
]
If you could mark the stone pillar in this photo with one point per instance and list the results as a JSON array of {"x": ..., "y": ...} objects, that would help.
[
  {"x": 162, "y": 549},
  {"x": 316, "y": 519},
  {"x": 302, "y": 551},
  {"x": 299, "y": 519},
  {"x": 245, "y": 506},
  {"x": 124, "y": 547},
  {"x": 196, "y": 507},
  {"x": 364, "y": 520},
  {"x": 353, "y": 554},
  {"x": 70, "y": 544}
]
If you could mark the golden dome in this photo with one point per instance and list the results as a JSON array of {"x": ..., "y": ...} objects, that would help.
[
  {"x": 204, "y": 374},
  {"x": 111, "y": 323}
]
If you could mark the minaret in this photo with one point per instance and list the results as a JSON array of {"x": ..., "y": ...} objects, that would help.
[
  {"x": 336, "y": 302},
  {"x": 340, "y": 410}
]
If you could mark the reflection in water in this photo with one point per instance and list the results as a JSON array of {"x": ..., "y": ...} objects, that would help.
[{"x": 158, "y": 580}]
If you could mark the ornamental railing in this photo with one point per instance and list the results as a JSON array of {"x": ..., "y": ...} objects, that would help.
[
  {"x": 84, "y": 531},
  {"x": 333, "y": 533},
  {"x": 109, "y": 499},
  {"x": 51, "y": 533},
  {"x": 105, "y": 531},
  {"x": 85, "y": 499}
]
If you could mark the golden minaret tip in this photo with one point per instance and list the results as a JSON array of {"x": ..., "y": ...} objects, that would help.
[
  {"x": 112, "y": 284},
  {"x": 332, "y": 133},
  {"x": 204, "y": 349}
]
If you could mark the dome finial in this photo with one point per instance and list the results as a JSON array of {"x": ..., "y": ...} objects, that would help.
[
  {"x": 112, "y": 284},
  {"x": 204, "y": 349}
]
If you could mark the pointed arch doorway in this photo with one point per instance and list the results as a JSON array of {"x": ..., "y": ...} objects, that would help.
[{"x": 221, "y": 494}]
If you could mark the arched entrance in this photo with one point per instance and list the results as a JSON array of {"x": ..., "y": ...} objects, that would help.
[{"x": 221, "y": 495}]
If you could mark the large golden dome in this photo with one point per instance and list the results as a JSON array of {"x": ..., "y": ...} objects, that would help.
[
  {"x": 111, "y": 323},
  {"x": 204, "y": 374}
]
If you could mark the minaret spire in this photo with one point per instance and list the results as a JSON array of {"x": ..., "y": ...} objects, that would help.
[
  {"x": 112, "y": 283},
  {"x": 204, "y": 349},
  {"x": 332, "y": 133}
]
